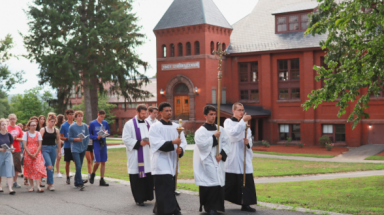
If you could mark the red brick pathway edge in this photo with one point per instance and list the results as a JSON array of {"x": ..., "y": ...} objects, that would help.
[
  {"x": 313, "y": 150},
  {"x": 381, "y": 154}
]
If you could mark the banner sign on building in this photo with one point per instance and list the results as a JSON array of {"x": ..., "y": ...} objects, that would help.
[{"x": 192, "y": 65}]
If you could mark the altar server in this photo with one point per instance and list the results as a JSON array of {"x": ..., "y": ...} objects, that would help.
[
  {"x": 208, "y": 168},
  {"x": 164, "y": 140},
  {"x": 234, "y": 166},
  {"x": 135, "y": 138}
]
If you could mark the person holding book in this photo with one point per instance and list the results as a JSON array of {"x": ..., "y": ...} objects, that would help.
[
  {"x": 98, "y": 130},
  {"x": 17, "y": 135},
  {"x": 6, "y": 160},
  {"x": 78, "y": 135}
]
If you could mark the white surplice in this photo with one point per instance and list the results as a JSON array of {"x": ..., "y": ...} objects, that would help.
[
  {"x": 207, "y": 171},
  {"x": 129, "y": 139},
  {"x": 149, "y": 119},
  {"x": 236, "y": 133},
  {"x": 164, "y": 163}
]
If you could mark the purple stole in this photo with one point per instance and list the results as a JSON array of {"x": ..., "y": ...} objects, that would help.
[{"x": 140, "y": 152}]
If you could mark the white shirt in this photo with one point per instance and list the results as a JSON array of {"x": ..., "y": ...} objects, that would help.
[
  {"x": 205, "y": 167},
  {"x": 235, "y": 161},
  {"x": 149, "y": 119},
  {"x": 32, "y": 135},
  {"x": 164, "y": 163},
  {"x": 130, "y": 139}
]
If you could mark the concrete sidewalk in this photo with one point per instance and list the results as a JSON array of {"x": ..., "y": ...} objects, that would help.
[
  {"x": 362, "y": 152},
  {"x": 335, "y": 159},
  {"x": 264, "y": 180}
]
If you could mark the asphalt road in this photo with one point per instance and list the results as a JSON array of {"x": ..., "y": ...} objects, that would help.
[{"x": 96, "y": 200}]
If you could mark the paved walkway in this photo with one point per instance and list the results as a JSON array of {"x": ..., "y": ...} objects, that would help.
[
  {"x": 362, "y": 152},
  {"x": 264, "y": 180},
  {"x": 115, "y": 199}
]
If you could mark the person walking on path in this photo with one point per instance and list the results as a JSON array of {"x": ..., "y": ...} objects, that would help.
[
  {"x": 89, "y": 156},
  {"x": 6, "y": 161},
  {"x": 17, "y": 134},
  {"x": 99, "y": 146},
  {"x": 235, "y": 192},
  {"x": 208, "y": 167},
  {"x": 59, "y": 121},
  {"x": 135, "y": 138},
  {"x": 78, "y": 146},
  {"x": 50, "y": 148},
  {"x": 42, "y": 122},
  {"x": 34, "y": 119},
  {"x": 34, "y": 168},
  {"x": 67, "y": 144},
  {"x": 152, "y": 115}
]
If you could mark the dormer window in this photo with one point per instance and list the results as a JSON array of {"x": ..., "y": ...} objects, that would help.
[{"x": 291, "y": 22}]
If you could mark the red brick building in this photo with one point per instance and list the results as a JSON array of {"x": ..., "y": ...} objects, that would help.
[{"x": 269, "y": 68}]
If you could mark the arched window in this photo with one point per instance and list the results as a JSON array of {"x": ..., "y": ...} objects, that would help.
[
  {"x": 188, "y": 49},
  {"x": 223, "y": 47},
  {"x": 181, "y": 89},
  {"x": 180, "y": 45},
  {"x": 172, "y": 50},
  {"x": 164, "y": 49},
  {"x": 197, "y": 48},
  {"x": 217, "y": 46},
  {"x": 212, "y": 47}
]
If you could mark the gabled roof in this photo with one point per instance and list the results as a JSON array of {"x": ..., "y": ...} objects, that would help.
[
  {"x": 256, "y": 32},
  {"x": 151, "y": 87},
  {"x": 192, "y": 12}
]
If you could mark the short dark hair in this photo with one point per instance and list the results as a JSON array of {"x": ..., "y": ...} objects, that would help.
[
  {"x": 164, "y": 105},
  {"x": 141, "y": 107},
  {"x": 209, "y": 108},
  {"x": 102, "y": 112},
  {"x": 68, "y": 111},
  {"x": 152, "y": 108},
  {"x": 234, "y": 106}
]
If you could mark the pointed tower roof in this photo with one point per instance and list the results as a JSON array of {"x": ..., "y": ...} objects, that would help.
[{"x": 192, "y": 12}]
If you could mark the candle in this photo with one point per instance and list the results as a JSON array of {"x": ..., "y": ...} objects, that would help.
[{"x": 180, "y": 122}]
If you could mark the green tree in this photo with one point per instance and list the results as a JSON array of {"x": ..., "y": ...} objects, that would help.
[
  {"x": 103, "y": 105},
  {"x": 4, "y": 106},
  {"x": 94, "y": 38},
  {"x": 354, "y": 54},
  {"x": 32, "y": 103}
]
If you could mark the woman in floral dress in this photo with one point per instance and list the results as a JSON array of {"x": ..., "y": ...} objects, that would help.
[{"x": 34, "y": 168}]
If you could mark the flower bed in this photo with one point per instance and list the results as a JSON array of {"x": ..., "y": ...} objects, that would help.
[{"x": 293, "y": 149}]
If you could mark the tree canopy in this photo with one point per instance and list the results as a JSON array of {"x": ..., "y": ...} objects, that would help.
[{"x": 354, "y": 54}]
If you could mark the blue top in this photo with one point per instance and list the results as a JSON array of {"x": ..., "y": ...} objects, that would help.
[
  {"x": 94, "y": 127},
  {"x": 75, "y": 130},
  {"x": 6, "y": 138},
  {"x": 64, "y": 130}
]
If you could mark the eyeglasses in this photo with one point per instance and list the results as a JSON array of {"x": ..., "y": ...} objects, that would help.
[
  {"x": 12, "y": 119},
  {"x": 32, "y": 125}
]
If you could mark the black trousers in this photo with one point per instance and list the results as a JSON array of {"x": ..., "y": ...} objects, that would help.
[
  {"x": 166, "y": 203},
  {"x": 212, "y": 198},
  {"x": 234, "y": 191},
  {"x": 142, "y": 188}
]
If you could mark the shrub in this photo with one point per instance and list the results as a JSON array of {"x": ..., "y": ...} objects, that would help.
[
  {"x": 300, "y": 145},
  {"x": 288, "y": 143},
  {"x": 329, "y": 146},
  {"x": 190, "y": 137},
  {"x": 324, "y": 140},
  {"x": 265, "y": 143},
  {"x": 115, "y": 135}
]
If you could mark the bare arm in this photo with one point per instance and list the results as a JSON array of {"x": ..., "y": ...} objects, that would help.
[
  {"x": 62, "y": 137},
  {"x": 58, "y": 143}
]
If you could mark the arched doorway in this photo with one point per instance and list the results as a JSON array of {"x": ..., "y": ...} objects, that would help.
[
  {"x": 181, "y": 88},
  {"x": 181, "y": 102}
]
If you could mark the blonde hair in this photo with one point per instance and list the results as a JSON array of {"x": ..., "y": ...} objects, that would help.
[
  {"x": 79, "y": 112},
  {"x": 5, "y": 121},
  {"x": 12, "y": 114},
  {"x": 51, "y": 116},
  {"x": 234, "y": 106}
]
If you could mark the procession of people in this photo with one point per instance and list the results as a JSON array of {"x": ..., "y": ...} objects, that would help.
[{"x": 222, "y": 157}]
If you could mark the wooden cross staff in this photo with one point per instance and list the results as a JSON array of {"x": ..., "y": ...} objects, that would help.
[{"x": 220, "y": 53}]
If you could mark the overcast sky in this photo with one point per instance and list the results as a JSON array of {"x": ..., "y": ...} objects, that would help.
[{"x": 13, "y": 20}]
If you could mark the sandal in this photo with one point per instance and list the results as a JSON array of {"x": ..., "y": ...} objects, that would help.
[
  {"x": 31, "y": 190},
  {"x": 12, "y": 193},
  {"x": 26, "y": 181},
  {"x": 42, "y": 185},
  {"x": 40, "y": 190},
  {"x": 51, "y": 188},
  {"x": 1, "y": 190}
]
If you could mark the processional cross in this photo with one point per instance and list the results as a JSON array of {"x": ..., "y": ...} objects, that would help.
[{"x": 219, "y": 53}]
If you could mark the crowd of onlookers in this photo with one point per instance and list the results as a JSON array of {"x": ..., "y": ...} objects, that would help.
[{"x": 34, "y": 150}]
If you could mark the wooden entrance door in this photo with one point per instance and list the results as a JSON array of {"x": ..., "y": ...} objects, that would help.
[{"x": 182, "y": 107}]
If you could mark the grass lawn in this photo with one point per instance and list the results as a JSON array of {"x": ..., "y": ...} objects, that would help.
[
  {"x": 300, "y": 155},
  {"x": 350, "y": 195},
  {"x": 375, "y": 158},
  {"x": 263, "y": 167}
]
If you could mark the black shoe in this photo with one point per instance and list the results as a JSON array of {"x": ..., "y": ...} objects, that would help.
[
  {"x": 140, "y": 203},
  {"x": 177, "y": 193},
  {"x": 68, "y": 180},
  {"x": 103, "y": 183},
  {"x": 247, "y": 208},
  {"x": 213, "y": 212},
  {"x": 85, "y": 181},
  {"x": 81, "y": 187},
  {"x": 12, "y": 193},
  {"x": 92, "y": 179}
]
